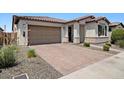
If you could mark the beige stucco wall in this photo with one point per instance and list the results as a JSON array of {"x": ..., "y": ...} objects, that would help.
[
  {"x": 82, "y": 33},
  {"x": 96, "y": 39},
  {"x": 91, "y": 29},
  {"x": 64, "y": 34},
  {"x": 23, "y": 26},
  {"x": 76, "y": 36},
  {"x": 41, "y": 23},
  {"x": 75, "y": 30},
  {"x": 92, "y": 32}
]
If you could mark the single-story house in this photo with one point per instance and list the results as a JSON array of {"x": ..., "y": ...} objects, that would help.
[
  {"x": 115, "y": 25},
  {"x": 33, "y": 30}
]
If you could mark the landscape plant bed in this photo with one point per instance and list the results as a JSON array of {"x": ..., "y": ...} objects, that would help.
[
  {"x": 36, "y": 68},
  {"x": 98, "y": 49},
  {"x": 111, "y": 52},
  {"x": 112, "y": 46}
]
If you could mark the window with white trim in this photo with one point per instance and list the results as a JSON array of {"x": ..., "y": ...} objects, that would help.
[{"x": 102, "y": 30}]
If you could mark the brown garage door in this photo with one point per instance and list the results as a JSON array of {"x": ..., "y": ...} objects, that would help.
[{"x": 44, "y": 35}]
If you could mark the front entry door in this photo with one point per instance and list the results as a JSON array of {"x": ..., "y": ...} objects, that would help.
[{"x": 70, "y": 34}]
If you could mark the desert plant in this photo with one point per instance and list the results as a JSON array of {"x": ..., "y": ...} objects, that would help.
[
  {"x": 116, "y": 35},
  {"x": 31, "y": 53},
  {"x": 7, "y": 57},
  {"x": 14, "y": 47},
  {"x": 106, "y": 47},
  {"x": 86, "y": 44},
  {"x": 108, "y": 43},
  {"x": 120, "y": 43}
]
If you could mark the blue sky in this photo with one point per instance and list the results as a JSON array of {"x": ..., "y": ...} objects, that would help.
[{"x": 6, "y": 18}]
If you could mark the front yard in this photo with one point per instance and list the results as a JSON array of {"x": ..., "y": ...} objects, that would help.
[
  {"x": 52, "y": 61},
  {"x": 36, "y": 68}
]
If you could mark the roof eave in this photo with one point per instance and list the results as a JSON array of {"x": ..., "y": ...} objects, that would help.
[
  {"x": 122, "y": 24},
  {"x": 80, "y": 19},
  {"x": 1, "y": 29},
  {"x": 105, "y": 19}
]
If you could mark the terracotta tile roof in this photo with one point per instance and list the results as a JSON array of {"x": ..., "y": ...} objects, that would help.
[
  {"x": 84, "y": 17},
  {"x": 39, "y": 18},
  {"x": 57, "y": 20},
  {"x": 81, "y": 18},
  {"x": 115, "y": 24},
  {"x": 98, "y": 19},
  {"x": 48, "y": 19}
]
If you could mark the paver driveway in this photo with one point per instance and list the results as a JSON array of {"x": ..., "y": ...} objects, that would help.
[{"x": 67, "y": 58}]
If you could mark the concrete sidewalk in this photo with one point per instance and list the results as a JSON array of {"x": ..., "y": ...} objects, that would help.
[{"x": 110, "y": 68}]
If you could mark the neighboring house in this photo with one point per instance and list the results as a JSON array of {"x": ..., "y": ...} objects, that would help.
[
  {"x": 115, "y": 25},
  {"x": 41, "y": 30}
]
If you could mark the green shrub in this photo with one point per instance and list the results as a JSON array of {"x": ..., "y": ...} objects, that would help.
[
  {"x": 13, "y": 47},
  {"x": 106, "y": 47},
  {"x": 120, "y": 43},
  {"x": 31, "y": 53},
  {"x": 7, "y": 57},
  {"x": 108, "y": 43},
  {"x": 86, "y": 44},
  {"x": 116, "y": 35}
]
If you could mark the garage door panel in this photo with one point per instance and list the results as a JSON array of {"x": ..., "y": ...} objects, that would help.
[{"x": 43, "y": 35}]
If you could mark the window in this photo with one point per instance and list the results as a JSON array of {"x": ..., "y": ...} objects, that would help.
[
  {"x": 102, "y": 30},
  {"x": 110, "y": 29},
  {"x": 23, "y": 33}
]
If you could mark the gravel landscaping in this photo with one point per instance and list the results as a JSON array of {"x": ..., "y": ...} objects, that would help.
[{"x": 36, "y": 68}]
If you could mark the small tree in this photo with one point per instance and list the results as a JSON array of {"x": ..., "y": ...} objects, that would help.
[{"x": 117, "y": 34}]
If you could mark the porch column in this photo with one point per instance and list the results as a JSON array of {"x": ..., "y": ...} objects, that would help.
[
  {"x": 26, "y": 34},
  {"x": 64, "y": 32},
  {"x": 18, "y": 36},
  {"x": 76, "y": 33}
]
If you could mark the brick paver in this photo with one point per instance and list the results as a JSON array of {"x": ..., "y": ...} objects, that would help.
[
  {"x": 109, "y": 68},
  {"x": 67, "y": 58}
]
